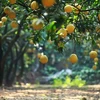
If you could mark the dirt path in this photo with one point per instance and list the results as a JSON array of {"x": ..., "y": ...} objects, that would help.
[{"x": 48, "y": 93}]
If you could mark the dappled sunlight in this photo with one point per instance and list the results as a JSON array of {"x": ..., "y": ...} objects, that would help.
[{"x": 48, "y": 92}]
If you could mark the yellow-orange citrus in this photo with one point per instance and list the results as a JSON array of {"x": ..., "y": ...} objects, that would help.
[
  {"x": 12, "y": 1},
  {"x": 34, "y": 5},
  {"x": 62, "y": 32},
  {"x": 73, "y": 58},
  {"x": 93, "y": 54},
  {"x": 12, "y": 15},
  {"x": 4, "y": 19},
  {"x": 77, "y": 8},
  {"x": 37, "y": 24},
  {"x": 14, "y": 24},
  {"x": 48, "y": 3},
  {"x": 39, "y": 55},
  {"x": 96, "y": 59},
  {"x": 7, "y": 9},
  {"x": 68, "y": 8},
  {"x": 70, "y": 28},
  {"x": 94, "y": 67},
  {"x": 1, "y": 23},
  {"x": 43, "y": 59}
]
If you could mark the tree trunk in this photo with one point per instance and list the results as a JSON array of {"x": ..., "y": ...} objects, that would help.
[
  {"x": 9, "y": 71},
  {"x": 1, "y": 64},
  {"x": 21, "y": 70}
]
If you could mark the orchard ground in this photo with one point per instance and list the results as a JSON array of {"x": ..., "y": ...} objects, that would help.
[{"x": 47, "y": 92}]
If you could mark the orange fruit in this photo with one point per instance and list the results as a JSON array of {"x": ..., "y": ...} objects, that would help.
[
  {"x": 37, "y": 24},
  {"x": 14, "y": 24},
  {"x": 48, "y": 3},
  {"x": 4, "y": 19},
  {"x": 96, "y": 59},
  {"x": 70, "y": 28},
  {"x": 93, "y": 54},
  {"x": 68, "y": 8},
  {"x": 94, "y": 67},
  {"x": 77, "y": 8},
  {"x": 1, "y": 23},
  {"x": 62, "y": 32},
  {"x": 12, "y": 15},
  {"x": 39, "y": 55},
  {"x": 12, "y": 1},
  {"x": 7, "y": 9},
  {"x": 34, "y": 5},
  {"x": 73, "y": 58},
  {"x": 43, "y": 59}
]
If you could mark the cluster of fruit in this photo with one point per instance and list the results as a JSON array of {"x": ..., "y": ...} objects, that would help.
[
  {"x": 11, "y": 14},
  {"x": 38, "y": 24},
  {"x": 43, "y": 58},
  {"x": 94, "y": 56},
  {"x": 72, "y": 58}
]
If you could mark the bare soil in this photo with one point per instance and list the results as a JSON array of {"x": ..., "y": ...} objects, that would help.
[{"x": 46, "y": 92}]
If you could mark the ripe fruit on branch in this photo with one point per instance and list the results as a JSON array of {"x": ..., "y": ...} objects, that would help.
[
  {"x": 62, "y": 32},
  {"x": 34, "y": 5},
  {"x": 93, "y": 54},
  {"x": 7, "y": 9},
  {"x": 1, "y": 23},
  {"x": 77, "y": 8},
  {"x": 73, "y": 58},
  {"x": 43, "y": 59},
  {"x": 12, "y": 15},
  {"x": 4, "y": 19},
  {"x": 96, "y": 59},
  {"x": 14, "y": 24},
  {"x": 70, "y": 28},
  {"x": 48, "y": 3},
  {"x": 68, "y": 8},
  {"x": 37, "y": 24},
  {"x": 94, "y": 67},
  {"x": 12, "y": 1},
  {"x": 39, "y": 55}
]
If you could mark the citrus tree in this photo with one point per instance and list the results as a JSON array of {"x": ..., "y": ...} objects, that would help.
[{"x": 39, "y": 21}]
